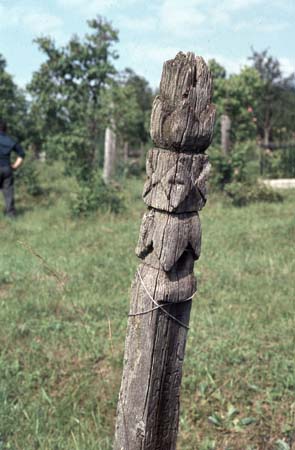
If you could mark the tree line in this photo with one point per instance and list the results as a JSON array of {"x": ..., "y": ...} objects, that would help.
[
  {"x": 260, "y": 100},
  {"x": 77, "y": 92},
  {"x": 72, "y": 97}
]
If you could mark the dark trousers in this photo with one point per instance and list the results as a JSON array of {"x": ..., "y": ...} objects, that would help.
[{"x": 6, "y": 184}]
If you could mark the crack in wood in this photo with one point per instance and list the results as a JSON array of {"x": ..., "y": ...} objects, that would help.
[{"x": 169, "y": 244}]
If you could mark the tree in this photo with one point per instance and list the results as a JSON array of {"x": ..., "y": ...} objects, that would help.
[
  {"x": 217, "y": 70},
  {"x": 13, "y": 104},
  {"x": 128, "y": 102},
  {"x": 242, "y": 97},
  {"x": 275, "y": 109},
  {"x": 238, "y": 96},
  {"x": 144, "y": 98},
  {"x": 67, "y": 95}
]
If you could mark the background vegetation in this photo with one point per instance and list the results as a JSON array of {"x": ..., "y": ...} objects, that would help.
[
  {"x": 77, "y": 92},
  {"x": 64, "y": 294},
  {"x": 67, "y": 263}
]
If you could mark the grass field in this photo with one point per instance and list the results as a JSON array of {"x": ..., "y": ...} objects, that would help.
[{"x": 64, "y": 296}]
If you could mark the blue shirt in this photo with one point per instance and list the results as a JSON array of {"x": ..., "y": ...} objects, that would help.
[{"x": 7, "y": 146}]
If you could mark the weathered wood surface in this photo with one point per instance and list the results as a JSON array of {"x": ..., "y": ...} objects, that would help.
[
  {"x": 183, "y": 115},
  {"x": 169, "y": 244},
  {"x": 176, "y": 182},
  {"x": 109, "y": 154}
]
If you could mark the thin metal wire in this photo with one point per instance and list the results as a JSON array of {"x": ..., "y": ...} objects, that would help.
[
  {"x": 143, "y": 312},
  {"x": 161, "y": 307}
]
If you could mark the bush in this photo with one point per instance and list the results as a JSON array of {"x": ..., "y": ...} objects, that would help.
[
  {"x": 241, "y": 165},
  {"x": 134, "y": 168},
  {"x": 221, "y": 172},
  {"x": 242, "y": 194},
  {"x": 96, "y": 195},
  {"x": 27, "y": 177},
  {"x": 279, "y": 163}
]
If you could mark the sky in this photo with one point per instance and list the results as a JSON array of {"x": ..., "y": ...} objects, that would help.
[{"x": 152, "y": 31}]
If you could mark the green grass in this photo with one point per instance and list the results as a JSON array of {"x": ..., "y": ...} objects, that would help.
[{"x": 64, "y": 300}]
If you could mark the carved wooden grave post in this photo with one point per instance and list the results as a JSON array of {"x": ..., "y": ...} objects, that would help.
[{"x": 169, "y": 243}]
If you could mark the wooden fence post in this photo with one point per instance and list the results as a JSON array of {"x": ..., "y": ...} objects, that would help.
[{"x": 170, "y": 238}]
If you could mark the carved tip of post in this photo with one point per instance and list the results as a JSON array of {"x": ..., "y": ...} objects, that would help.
[
  {"x": 183, "y": 115},
  {"x": 183, "y": 58}
]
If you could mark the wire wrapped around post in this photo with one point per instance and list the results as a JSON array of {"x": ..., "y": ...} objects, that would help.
[{"x": 169, "y": 243}]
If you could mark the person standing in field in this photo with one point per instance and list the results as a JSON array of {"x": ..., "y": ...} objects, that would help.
[{"x": 7, "y": 146}]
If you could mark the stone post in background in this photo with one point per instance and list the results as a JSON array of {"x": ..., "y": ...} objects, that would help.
[{"x": 109, "y": 155}]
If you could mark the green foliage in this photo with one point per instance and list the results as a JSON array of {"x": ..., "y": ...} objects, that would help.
[
  {"x": 237, "y": 175},
  {"x": 13, "y": 104},
  {"x": 279, "y": 163},
  {"x": 27, "y": 177},
  {"x": 76, "y": 95},
  {"x": 242, "y": 165},
  {"x": 259, "y": 100},
  {"x": 241, "y": 97},
  {"x": 95, "y": 195},
  {"x": 222, "y": 171},
  {"x": 123, "y": 113},
  {"x": 63, "y": 325},
  {"x": 138, "y": 89},
  {"x": 127, "y": 106},
  {"x": 242, "y": 194},
  {"x": 237, "y": 96},
  {"x": 245, "y": 161},
  {"x": 271, "y": 164},
  {"x": 274, "y": 111},
  {"x": 217, "y": 70},
  {"x": 66, "y": 95},
  {"x": 134, "y": 168}
]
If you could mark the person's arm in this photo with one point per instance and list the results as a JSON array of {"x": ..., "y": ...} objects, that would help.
[
  {"x": 20, "y": 157},
  {"x": 17, "y": 163}
]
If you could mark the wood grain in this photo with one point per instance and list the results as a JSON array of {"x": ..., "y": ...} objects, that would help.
[{"x": 168, "y": 246}]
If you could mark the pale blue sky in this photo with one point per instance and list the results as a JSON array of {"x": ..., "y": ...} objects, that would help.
[{"x": 152, "y": 31}]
